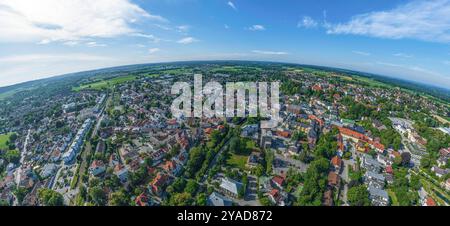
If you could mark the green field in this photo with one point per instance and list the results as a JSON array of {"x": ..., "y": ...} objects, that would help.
[
  {"x": 235, "y": 69},
  {"x": 3, "y": 140},
  {"x": 237, "y": 161},
  {"x": 178, "y": 71},
  {"x": 393, "y": 198},
  {"x": 104, "y": 84}
]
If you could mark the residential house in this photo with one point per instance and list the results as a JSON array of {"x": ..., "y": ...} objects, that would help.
[
  {"x": 216, "y": 199},
  {"x": 378, "y": 196},
  {"x": 97, "y": 167},
  {"x": 375, "y": 179},
  {"x": 158, "y": 184},
  {"x": 439, "y": 171},
  {"x": 230, "y": 187},
  {"x": 278, "y": 182},
  {"x": 336, "y": 163},
  {"x": 333, "y": 179},
  {"x": 121, "y": 172}
]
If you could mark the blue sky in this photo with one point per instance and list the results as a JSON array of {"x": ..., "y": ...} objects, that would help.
[{"x": 398, "y": 38}]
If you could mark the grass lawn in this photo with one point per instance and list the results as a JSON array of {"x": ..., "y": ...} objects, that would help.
[
  {"x": 237, "y": 161},
  {"x": 298, "y": 191},
  {"x": 3, "y": 139},
  {"x": 393, "y": 197},
  {"x": 106, "y": 83},
  {"x": 250, "y": 144}
]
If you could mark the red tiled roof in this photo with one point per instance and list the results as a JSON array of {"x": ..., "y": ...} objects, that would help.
[
  {"x": 430, "y": 202},
  {"x": 285, "y": 134},
  {"x": 316, "y": 87},
  {"x": 333, "y": 178},
  {"x": 141, "y": 200},
  {"x": 336, "y": 161},
  {"x": 389, "y": 169},
  {"x": 278, "y": 180},
  {"x": 274, "y": 192},
  {"x": 361, "y": 137},
  {"x": 319, "y": 120}
]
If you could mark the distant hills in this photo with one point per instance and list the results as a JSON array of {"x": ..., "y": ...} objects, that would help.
[{"x": 434, "y": 91}]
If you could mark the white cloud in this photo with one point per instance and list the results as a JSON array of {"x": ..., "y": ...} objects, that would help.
[
  {"x": 152, "y": 38},
  {"x": 187, "y": 40},
  {"x": 269, "y": 52},
  {"x": 153, "y": 50},
  {"x": 404, "y": 55},
  {"x": 307, "y": 22},
  {"x": 361, "y": 53},
  {"x": 257, "y": 27},
  {"x": 49, "y": 58},
  {"x": 231, "y": 4},
  {"x": 183, "y": 28},
  {"x": 422, "y": 20},
  {"x": 71, "y": 43},
  {"x": 95, "y": 44},
  {"x": 19, "y": 68},
  {"x": 69, "y": 20}
]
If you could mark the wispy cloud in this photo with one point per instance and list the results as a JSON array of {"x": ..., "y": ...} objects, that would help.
[
  {"x": 411, "y": 68},
  {"x": 447, "y": 62},
  {"x": 257, "y": 27},
  {"x": 231, "y": 4},
  {"x": 74, "y": 20},
  {"x": 183, "y": 28},
  {"x": 153, "y": 50},
  {"x": 423, "y": 20},
  {"x": 269, "y": 52},
  {"x": 307, "y": 22},
  {"x": 95, "y": 44},
  {"x": 151, "y": 37},
  {"x": 187, "y": 40},
  {"x": 361, "y": 53},
  {"x": 404, "y": 55},
  {"x": 49, "y": 58}
]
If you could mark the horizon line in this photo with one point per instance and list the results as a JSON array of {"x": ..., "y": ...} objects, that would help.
[{"x": 237, "y": 60}]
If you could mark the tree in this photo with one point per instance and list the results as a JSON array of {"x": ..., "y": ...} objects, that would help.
[
  {"x": 298, "y": 135},
  {"x": 265, "y": 201},
  {"x": 269, "y": 156},
  {"x": 13, "y": 138},
  {"x": 12, "y": 156},
  {"x": 425, "y": 162},
  {"x": 358, "y": 196},
  {"x": 201, "y": 199},
  {"x": 119, "y": 198},
  {"x": 97, "y": 195},
  {"x": 20, "y": 194},
  {"x": 235, "y": 145},
  {"x": 406, "y": 158},
  {"x": 315, "y": 183},
  {"x": 181, "y": 199},
  {"x": 50, "y": 197},
  {"x": 191, "y": 187}
]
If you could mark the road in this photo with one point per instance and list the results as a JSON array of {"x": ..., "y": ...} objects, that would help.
[
  {"x": 213, "y": 162},
  {"x": 344, "y": 175},
  {"x": 18, "y": 172}
]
